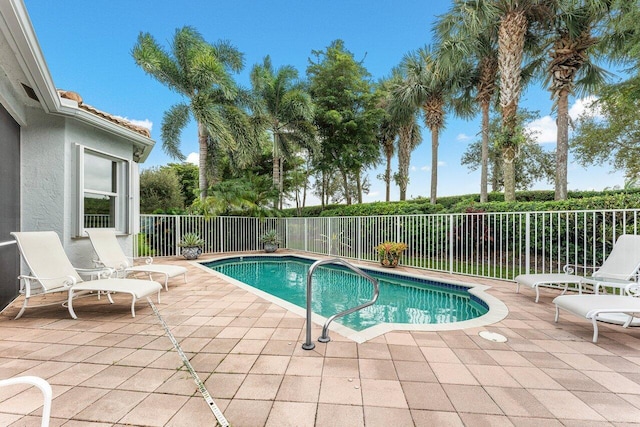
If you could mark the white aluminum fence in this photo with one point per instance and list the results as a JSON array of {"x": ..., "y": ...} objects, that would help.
[
  {"x": 494, "y": 245},
  {"x": 161, "y": 234}
]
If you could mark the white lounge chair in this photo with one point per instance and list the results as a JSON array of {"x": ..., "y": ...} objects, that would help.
[
  {"x": 111, "y": 255},
  {"x": 45, "y": 388},
  {"x": 617, "y": 309},
  {"x": 620, "y": 267},
  {"x": 51, "y": 271}
]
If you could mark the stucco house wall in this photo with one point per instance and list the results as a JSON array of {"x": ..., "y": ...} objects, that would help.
[{"x": 51, "y": 125}]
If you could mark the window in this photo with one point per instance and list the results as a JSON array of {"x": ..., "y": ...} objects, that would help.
[{"x": 103, "y": 191}]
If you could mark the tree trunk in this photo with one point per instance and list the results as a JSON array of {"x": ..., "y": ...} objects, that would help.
[
  {"x": 345, "y": 186},
  {"x": 387, "y": 179},
  {"x": 562, "y": 146},
  {"x": 202, "y": 161},
  {"x": 484, "y": 165},
  {"x": 509, "y": 174},
  {"x": 276, "y": 169},
  {"x": 359, "y": 184},
  {"x": 434, "y": 166}
]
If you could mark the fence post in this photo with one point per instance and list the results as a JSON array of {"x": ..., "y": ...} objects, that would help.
[
  {"x": 451, "y": 243},
  {"x": 178, "y": 235},
  {"x": 359, "y": 237},
  {"x": 527, "y": 243}
]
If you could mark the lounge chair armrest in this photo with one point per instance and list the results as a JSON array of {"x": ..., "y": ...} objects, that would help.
[
  {"x": 632, "y": 289},
  {"x": 26, "y": 284},
  {"x": 147, "y": 259},
  {"x": 100, "y": 273},
  {"x": 572, "y": 268}
]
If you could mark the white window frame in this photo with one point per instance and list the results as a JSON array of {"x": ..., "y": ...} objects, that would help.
[{"x": 122, "y": 195}]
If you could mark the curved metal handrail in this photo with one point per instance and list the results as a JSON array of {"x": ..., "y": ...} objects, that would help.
[{"x": 308, "y": 345}]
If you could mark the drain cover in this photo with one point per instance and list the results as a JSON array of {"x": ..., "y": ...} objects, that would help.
[{"x": 492, "y": 336}]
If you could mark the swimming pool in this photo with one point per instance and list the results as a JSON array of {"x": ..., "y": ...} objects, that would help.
[{"x": 405, "y": 301}]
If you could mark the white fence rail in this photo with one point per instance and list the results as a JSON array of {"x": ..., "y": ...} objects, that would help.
[{"x": 493, "y": 245}]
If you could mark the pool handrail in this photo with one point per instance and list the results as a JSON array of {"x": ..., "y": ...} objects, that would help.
[{"x": 308, "y": 345}]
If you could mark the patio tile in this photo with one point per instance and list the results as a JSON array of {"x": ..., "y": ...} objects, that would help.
[
  {"x": 468, "y": 398},
  {"x": 574, "y": 380},
  {"x": 613, "y": 407},
  {"x": 385, "y": 393},
  {"x": 614, "y": 381},
  {"x": 564, "y": 404},
  {"x": 371, "y": 350},
  {"x": 508, "y": 358},
  {"x": 299, "y": 389},
  {"x": 427, "y": 396},
  {"x": 492, "y": 376},
  {"x": 111, "y": 377},
  {"x": 292, "y": 414},
  {"x": 342, "y": 349},
  {"x": 76, "y": 374},
  {"x": 306, "y": 366},
  {"x": 485, "y": 420},
  {"x": 327, "y": 415},
  {"x": 405, "y": 352},
  {"x": 113, "y": 406},
  {"x": 518, "y": 402},
  {"x": 259, "y": 387},
  {"x": 249, "y": 413},
  {"x": 532, "y": 378},
  {"x": 340, "y": 391},
  {"x": 400, "y": 338},
  {"x": 345, "y": 368},
  {"x": 377, "y": 369},
  {"x": 279, "y": 347},
  {"x": 439, "y": 354},
  {"x": 180, "y": 383},
  {"x": 383, "y": 417},
  {"x": 147, "y": 379},
  {"x": 472, "y": 356},
  {"x": 195, "y": 412},
  {"x": 266, "y": 364},
  {"x": 237, "y": 363},
  {"x": 141, "y": 358},
  {"x": 453, "y": 373},
  {"x": 259, "y": 334},
  {"x": 414, "y": 371},
  {"x": 436, "y": 418},
  {"x": 155, "y": 410},
  {"x": 224, "y": 385}
]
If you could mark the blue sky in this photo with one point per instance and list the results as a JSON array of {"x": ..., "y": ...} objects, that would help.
[{"x": 87, "y": 46}]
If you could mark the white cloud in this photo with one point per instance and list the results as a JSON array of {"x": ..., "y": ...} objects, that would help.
[
  {"x": 584, "y": 106},
  {"x": 425, "y": 168},
  {"x": 441, "y": 163},
  {"x": 413, "y": 169},
  {"x": 462, "y": 137},
  {"x": 372, "y": 194},
  {"x": 193, "y": 158},
  {"x": 146, "y": 123},
  {"x": 544, "y": 130}
]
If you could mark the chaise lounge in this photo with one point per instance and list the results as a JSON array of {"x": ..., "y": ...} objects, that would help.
[
  {"x": 51, "y": 271},
  {"x": 617, "y": 309},
  {"x": 110, "y": 255},
  {"x": 616, "y": 271}
]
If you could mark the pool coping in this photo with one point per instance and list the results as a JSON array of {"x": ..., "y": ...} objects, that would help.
[{"x": 497, "y": 309}]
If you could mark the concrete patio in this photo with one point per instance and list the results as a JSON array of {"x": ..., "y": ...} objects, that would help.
[{"x": 108, "y": 369}]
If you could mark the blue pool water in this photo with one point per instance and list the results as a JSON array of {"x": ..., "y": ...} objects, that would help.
[{"x": 402, "y": 299}]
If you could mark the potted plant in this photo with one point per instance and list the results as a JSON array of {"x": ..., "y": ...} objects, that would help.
[
  {"x": 271, "y": 240},
  {"x": 191, "y": 245},
  {"x": 390, "y": 252}
]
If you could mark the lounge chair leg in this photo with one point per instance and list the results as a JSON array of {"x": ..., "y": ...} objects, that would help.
[
  {"x": 24, "y": 307},
  {"x": 517, "y": 284},
  {"x": 557, "y": 313},
  {"x": 595, "y": 329},
  {"x": 70, "y": 304},
  {"x": 166, "y": 282},
  {"x": 537, "y": 293},
  {"x": 185, "y": 279},
  {"x": 109, "y": 296},
  {"x": 133, "y": 305}
]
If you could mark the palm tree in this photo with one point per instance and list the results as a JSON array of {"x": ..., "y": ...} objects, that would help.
[
  {"x": 470, "y": 49},
  {"x": 570, "y": 68},
  {"x": 201, "y": 73},
  {"x": 387, "y": 132},
  {"x": 287, "y": 111},
  {"x": 427, "y": 86}
]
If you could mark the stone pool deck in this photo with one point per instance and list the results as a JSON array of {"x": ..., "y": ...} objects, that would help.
[{"x": 108, "y": 369}]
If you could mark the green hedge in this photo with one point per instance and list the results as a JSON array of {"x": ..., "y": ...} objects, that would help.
[{"x": 526, "y": 201}]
